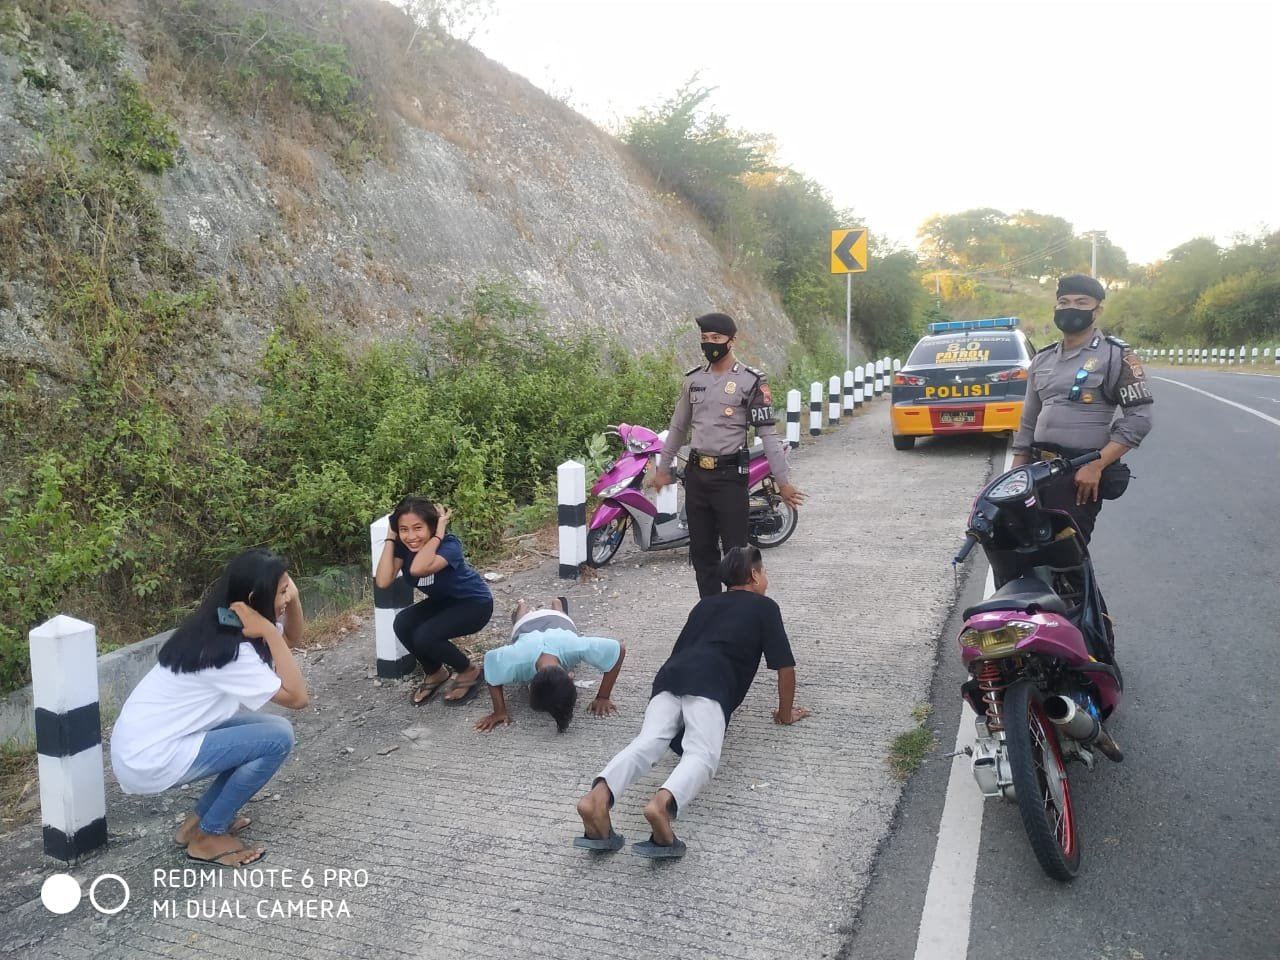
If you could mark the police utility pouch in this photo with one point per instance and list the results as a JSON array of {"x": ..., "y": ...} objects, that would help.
[{"x": 1115, "y": 481}]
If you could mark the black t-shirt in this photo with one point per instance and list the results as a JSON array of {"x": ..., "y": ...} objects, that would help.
[{"x": 719, "y": 649}]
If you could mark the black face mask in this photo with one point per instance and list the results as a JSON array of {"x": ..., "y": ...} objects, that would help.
[
  {"x": 714, "y": 351},
  {"x": 1072, "y": 319}
]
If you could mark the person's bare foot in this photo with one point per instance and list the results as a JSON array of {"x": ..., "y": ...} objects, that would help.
[
  {"x": 222, "y": 849},
  {"x": 191, "y": 826},
  {"x": 557, "y": 605},
  {"x": 593, "y": 808},
  {"x": 521, "y": 609},
  {"x": 659, "y": 811}
]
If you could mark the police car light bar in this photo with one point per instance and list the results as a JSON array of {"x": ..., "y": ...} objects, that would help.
[{"x": 994, "y": 323}]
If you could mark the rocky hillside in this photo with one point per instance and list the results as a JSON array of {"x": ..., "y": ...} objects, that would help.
[{"x": 459, "y": 172}]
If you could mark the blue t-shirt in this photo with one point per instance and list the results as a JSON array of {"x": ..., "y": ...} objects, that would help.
[
  {"x": 457, "y": 581},
  {"x": 514, "y": 663}
]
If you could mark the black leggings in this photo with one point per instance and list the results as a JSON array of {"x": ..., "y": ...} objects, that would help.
[{"x": 427, "y": 628}]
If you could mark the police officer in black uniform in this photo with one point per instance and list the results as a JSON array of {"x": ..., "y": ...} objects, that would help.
[
  {"x": 721, "y": 401},
  {"x": 1087, "y": 392}
]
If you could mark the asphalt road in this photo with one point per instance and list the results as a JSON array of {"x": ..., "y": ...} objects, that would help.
[{"x": 1181, "y": 842}]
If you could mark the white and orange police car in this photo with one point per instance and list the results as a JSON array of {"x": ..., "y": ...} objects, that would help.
[{"x": 964, "y": 376}]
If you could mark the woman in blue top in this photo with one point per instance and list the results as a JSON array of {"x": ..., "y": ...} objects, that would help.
[{"x": 458, "y": 601}]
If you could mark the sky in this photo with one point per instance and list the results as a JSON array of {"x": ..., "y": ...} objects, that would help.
[{"x": 1155, "y": 122}]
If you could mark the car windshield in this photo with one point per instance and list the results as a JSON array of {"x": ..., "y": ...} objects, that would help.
[{"x": 972, "y": 348}]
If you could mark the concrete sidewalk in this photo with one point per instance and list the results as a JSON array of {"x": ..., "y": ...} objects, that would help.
[{"x": 466, "y": 837}]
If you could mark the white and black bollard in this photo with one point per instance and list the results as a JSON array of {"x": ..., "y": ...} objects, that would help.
[
  {"x": 68, "y": 724},
  {"x": 857, "y": 388},
  {"x": 879, "y": 381},
  {"x": 815, "y": 408},
  {"x": 571, "y": 497},
  {"x": 833, "y": 401},
  {"x": 897, "y": 368},
  {"x": 848, "y": 392},
  {"x": 393, "y": 659},
  {"x": 868, "y": 381},
  {"x": 793, "y": 418},
  {"x": 1253, "y": 355}
]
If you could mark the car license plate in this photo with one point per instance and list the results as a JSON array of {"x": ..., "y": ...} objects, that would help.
[{"x": 958, "y": 416}]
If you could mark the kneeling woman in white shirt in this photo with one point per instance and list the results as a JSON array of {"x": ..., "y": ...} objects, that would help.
[{"x": 183, "y": 722}]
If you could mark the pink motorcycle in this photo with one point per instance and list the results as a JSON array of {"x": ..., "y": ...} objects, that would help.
[
  {"x": 623, "y": 502},
  {"x": 1043, "y": 675}
]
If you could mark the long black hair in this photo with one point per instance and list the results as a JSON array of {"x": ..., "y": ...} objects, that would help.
[
  {"x": 420, "y": 506},
  {"x": 201, "y": 642}
]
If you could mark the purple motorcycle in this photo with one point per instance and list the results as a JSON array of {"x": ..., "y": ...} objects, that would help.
[
  {"x": 1040, "y": 657},
  {"x": 623, "y": 502}
]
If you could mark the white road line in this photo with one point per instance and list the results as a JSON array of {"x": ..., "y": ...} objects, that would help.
[
  {"x": 1230, "y": 403},
  {"x": 948, "y": 903}
]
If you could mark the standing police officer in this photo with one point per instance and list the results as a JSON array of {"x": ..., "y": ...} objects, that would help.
[
  {"x": 1087, "y": 392},
  {"x": 721, "y": 400}
]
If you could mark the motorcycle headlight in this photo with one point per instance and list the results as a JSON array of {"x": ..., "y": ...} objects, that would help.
[
  {"x": 1015, "y": 484},
  {"x": 615, "y": 488}
]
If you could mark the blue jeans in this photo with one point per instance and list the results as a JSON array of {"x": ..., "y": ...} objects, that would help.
[{"x": 242, "y": 754}]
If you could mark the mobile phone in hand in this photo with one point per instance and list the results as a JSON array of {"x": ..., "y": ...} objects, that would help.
[{"x": 228, "y": 618}]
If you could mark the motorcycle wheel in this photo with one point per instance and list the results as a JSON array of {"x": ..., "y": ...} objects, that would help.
[
  {"x": 603, "y": 542},
  {"x": 1040, "y": 782},
  {"x": 788, "y": 516}
]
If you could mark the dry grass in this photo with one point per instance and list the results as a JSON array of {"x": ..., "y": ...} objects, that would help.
[
  {"x": 289, "y": 159},
  {"x": 19, "y": 787}
]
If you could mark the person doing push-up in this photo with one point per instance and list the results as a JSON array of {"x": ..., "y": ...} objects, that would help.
[{"x": 705, "y": 679}]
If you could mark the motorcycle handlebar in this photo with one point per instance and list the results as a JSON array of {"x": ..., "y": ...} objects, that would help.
[
  {"x": 969, "y": 542},
  {"x": 1084, "y": 458}
]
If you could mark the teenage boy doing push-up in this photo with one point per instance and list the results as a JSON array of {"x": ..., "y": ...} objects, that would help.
[{"x": 705, "y": 679}]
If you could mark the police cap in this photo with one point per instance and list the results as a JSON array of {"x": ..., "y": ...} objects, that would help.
[
  {"x": 717, "y": 323},
  {"x": 1081, "y": 284}
]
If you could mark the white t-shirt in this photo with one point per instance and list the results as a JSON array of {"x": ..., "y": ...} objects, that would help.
[{"x": 163, "y": 723}]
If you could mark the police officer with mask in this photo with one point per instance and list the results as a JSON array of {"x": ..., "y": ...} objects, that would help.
[
  {"x": 1086, "y": 392},
  {"x": 720, "y": 401}
]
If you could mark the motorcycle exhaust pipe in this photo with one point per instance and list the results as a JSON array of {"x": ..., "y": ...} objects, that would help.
[{"x": 1080, "y": 725}]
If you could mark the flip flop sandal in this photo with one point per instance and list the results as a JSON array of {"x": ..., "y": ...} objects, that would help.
[
  {"x": 469, "y": 690},
  {"x": 239, "y": 825},
  {"x": 564, "y": 605},
  {"x": 614, "y": 841},
  {"x": 431, "y": 689},
  {"x": 660, "y": 851},
  {"x": 217, "y": 861}
]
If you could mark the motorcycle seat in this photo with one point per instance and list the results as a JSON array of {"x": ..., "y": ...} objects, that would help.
[
  {"x": 757, "y": 452},
  {"x": 1027, "y": 594}
]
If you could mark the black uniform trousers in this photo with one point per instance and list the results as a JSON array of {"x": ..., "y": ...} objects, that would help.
[{"x": 716, "y": 506}]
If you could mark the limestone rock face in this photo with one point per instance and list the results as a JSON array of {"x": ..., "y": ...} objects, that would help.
[{"x": 484, "y": 178}]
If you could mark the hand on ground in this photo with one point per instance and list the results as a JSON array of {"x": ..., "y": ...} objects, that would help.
[
  {"x": 797, "y": 713},
  {"x": 602, "y": 707}
]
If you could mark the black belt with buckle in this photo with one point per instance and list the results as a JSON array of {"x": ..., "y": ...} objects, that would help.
[{"x": 708, "y": 462}]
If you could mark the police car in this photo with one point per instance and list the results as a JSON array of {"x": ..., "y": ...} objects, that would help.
[{"x": 964, "y": 376}]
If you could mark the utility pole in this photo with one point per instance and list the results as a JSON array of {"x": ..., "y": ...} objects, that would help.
[{"x": 1093, "y": 257}]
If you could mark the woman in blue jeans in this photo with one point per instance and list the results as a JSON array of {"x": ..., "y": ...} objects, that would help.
[
  {"x": 458, "y": 602},
  {"x": 184, "y": 721}
]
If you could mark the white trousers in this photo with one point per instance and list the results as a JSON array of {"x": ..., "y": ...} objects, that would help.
[{"x": 703, "y": 722}]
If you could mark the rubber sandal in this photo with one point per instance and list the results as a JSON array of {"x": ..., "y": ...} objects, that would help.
[
  {"x": 614, "y": 841},
  {"x": 431, "y": 690},
  {"x": 217, "y": 861},
  {"x": 469, "y": 690},
  {"x": 564, "y": 605},
  {"x": 660, "y": 851}
]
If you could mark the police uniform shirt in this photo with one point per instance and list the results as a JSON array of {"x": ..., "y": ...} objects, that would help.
[
  {"x": 718, "y": 409},
  {"x": 1111, "y": 382}
]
